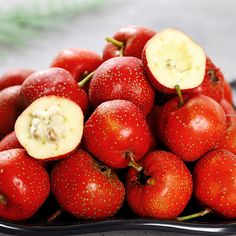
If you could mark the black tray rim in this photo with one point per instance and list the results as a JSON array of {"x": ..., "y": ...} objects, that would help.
[{"x": 227, "y": 228}]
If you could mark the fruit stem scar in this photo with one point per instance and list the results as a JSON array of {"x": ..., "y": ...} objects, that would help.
[
  {"x": 178, "y": 91},
  {"x": 2, "y": 200},
  {"x": 117, "y": 43},
  {"x": 130, "y": 156},
  {"x": 86, "y": 79},
  {"x": 195, "y": 215}
]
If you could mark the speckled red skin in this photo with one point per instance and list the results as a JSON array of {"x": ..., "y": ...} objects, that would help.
[
  {"x": 79, "y": 62},
  {"x": 122, "y": 78},
  {"x": 213, "y": 83},
  {"x": 84, "y": 190},
  {"x": 14, "y": 77},
  {"x": 228, "y": 94},
  {"x": 229, "y": 111},
  {"x": 10, "y": 141},
  {"x": 134, "y": 39},
  {"x": 214, "y": 178},
  {"x": 116, "y": 131},
  {"x": 24, "y": 184},
  {"x": 10, "y": 108},
  {"x": 194, "y": 128},
  {"x": 229, "y": 140},
  {"x": 53, "y": 81},
  {"x": 166, "y": 191}
]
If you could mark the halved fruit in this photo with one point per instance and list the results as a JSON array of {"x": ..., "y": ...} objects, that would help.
[
  {"x": 50, "y": 128},
  {"x": 171, "y": 58}
]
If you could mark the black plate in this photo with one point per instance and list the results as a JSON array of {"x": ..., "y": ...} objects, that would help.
[{"x": 124, "y": 220}]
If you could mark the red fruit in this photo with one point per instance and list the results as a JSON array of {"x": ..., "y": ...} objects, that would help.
[
  {"x": 194, "y": 128},
  {"x": 10, "y": 141},
  {"x": 215, "y": 182},
  {"x": 162, "y": 189},
  {"x": 228, "y": 94},
  {"x": 117, "y": 133},
  {"x": 10, "y": 108},
  {"x": 122, "y": 78},
  {"x": 85, "y": 188},
  {"x": 79, "y": 62},
  {"x": 131, "y": 40},
  {"x": 53, "y": 81},
  {"x": 14, "y": 77},
  {"x": 229, "y": 139},
  {"x": 171, "y": 58},
  {"x": 24, "y": 185},
  {"x": 213, "y": 83},
  {"x": 229, "y": 111},
  {"x": 50, "y": 128}
]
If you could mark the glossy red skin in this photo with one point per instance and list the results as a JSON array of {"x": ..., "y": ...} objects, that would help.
[
  {"x": 10, "y": 108},
  {"x": 122, "y": 78},
  {"x": 79, "y": 62},
  {"x": 215, "y": 182},
  {"x": 134, "y": 38},
  {"x": 228, "y": 94},
  {"x": 166, "y": 193},
  {"x": 213, "y": 83},
  {"x": 10, "y": 141},
  {"x": 229, "y": 111},
  {"x": 195, "y": 128},
  {"x": 53, "y": 81},
  {"x": 83, "y": 190},
  {"x": 14, "y": 77},
  {"x": 116, "y": 130},
  {"x": 229, "y": 140},
  {"x": 23, "y": 183}
]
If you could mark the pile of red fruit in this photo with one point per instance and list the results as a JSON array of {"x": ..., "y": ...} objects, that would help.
[{"x": 152, "y": 103}]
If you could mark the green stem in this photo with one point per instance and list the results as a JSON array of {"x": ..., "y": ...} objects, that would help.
[
  {"x": 130, "y": 156},
  {"x": 195, "y": 215},
  {"x": 178, "y": 91},
  {"x": 2, "y": 200},
  {"x": 117, "y": 43},
  {"x": 85, "y": 80}
]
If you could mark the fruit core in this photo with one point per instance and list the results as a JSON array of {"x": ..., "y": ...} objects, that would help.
[
  {"x": 179, "y": 60},
  {"x": 48, "y": 124}
]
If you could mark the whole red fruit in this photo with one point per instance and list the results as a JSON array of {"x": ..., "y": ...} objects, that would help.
[
  {"x": 229, "y": 139},
  {"x": 10, "y": 141},
  {"x": 117, "y": 133},
  {"x": 10, "y": 108},
  {"x": 14, "y": 77},
  {"x": 229, "y": 111},
  {"x": 195, "y": 127},
  {"x": 53, "y": 81},
  {"x": 79, "y": 62},
  {"x": 162, "y": 190},
  {"x": 133, "y": 38},
  {"x": 228, "y": 94},
  {"x": 85, "y": 188},
  {"x": 122, "y": 78},
  {"x": 215, "y": 182},
  {"x": 24, "y": 185},
  {"x": 213, "y": 83}
]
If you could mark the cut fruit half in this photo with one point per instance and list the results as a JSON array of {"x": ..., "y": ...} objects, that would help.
[
  {"x": 171, "y": 58},
  {"x": 50, "y": 128}
]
